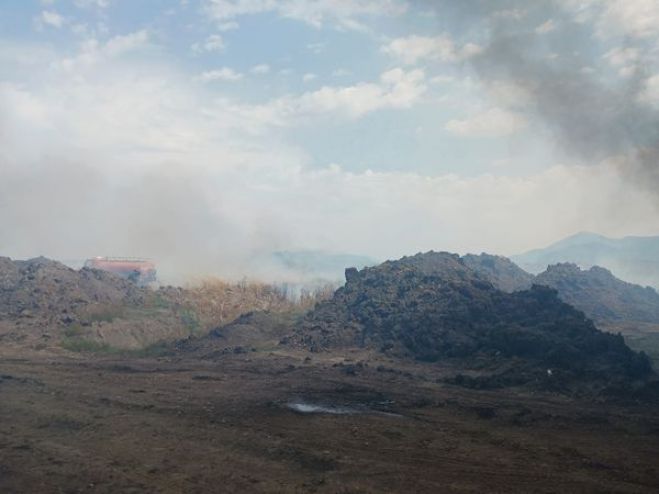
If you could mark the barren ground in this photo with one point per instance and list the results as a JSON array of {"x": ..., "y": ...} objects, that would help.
[{"x": 183, "y": 424}]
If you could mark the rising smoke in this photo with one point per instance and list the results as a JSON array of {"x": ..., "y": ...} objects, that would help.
[{"x": 584, "y": 67}]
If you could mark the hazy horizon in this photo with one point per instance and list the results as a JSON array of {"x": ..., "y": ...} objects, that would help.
[{"x": 208, "y": 134}]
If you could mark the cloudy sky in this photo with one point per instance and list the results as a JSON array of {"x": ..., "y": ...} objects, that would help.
[{"x": 208, "y": 133}]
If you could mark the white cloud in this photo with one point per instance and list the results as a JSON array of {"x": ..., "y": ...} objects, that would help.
[
  {"x": 622, "y": 56},
  {"x": 344, "y": 13},
  {"x": 638, "y": 18},
  {"x": 51, "y": 18},
  {"x": 513, "y": 14},
  {"x": 102, "y": 4},
  {"x": 308, "y": 77},
  {"x": 340, "y": 72},
  {"x": 260, "y": 69},
  {"x": 228, "y": 26},
  {"x": 632, "y": 18},
  {"x": 624, "y": 59},
  {"x": 222, "y": 74},
  {"x": 213, "y": 43},
  {"x": 412, "y": 49},
  {"x": 92, "y": 51},
  {"x": 650, "y": 93},
  {"x": 546, "y": 27},
  {"x": 495, "y": 122},
  {"x": 316, "y": 48},
  {"x": 118, "y": 45},
  {"x": 396, "y": 89},
  {"x": 442, "y": 79}
]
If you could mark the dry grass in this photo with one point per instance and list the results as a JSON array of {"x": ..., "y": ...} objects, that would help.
[{"x": 215, "y": 302}]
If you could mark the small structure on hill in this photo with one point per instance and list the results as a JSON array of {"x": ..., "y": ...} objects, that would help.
[{"x": 140, "y": 271}]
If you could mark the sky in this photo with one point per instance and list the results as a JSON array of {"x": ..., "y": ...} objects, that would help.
[{"x": 207, "y": 134}]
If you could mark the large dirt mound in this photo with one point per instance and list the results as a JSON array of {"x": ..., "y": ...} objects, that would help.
[
  {"x": 43, "y": 288},
  {"x": 433, "y": 306}
]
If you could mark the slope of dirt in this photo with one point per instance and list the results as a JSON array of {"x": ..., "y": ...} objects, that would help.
[{"x": 433, "y": 307}]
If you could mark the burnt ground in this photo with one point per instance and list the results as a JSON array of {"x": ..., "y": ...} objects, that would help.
[{"x": 183, "y": 423}]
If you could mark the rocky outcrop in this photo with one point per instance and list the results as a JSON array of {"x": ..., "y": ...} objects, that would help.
[{"x": 433, "y": 307}]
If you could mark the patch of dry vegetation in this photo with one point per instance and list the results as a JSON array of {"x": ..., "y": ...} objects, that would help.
[{"x": 213, "y": 302}]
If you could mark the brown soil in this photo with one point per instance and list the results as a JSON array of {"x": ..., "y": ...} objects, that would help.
[{"x": 74, "y": 423}]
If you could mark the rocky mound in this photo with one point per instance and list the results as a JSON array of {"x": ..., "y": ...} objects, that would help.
[
  {"x": 500, "y": 271},
  {"x": 43, "y": 288},
  {"x": 601, "y": 295},
  {"x": 434, "y": 307}
]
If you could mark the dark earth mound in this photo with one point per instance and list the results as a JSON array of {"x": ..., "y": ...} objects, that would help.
[{"x": 434, "y": 307}]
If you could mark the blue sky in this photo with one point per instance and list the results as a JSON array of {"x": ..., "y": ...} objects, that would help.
[{"x": 375, "y": 127}]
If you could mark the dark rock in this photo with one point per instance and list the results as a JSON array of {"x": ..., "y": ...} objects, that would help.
[{"x": 434, "y": 307}]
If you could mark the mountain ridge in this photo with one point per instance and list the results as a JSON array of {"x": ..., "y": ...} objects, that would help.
[{"x": 633, "y": 259}]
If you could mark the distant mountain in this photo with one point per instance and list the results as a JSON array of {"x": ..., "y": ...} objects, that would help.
[
  {"x": 434, "y": 307},
  {"x": 633, "y": 259},
  {"x": 500, "y": 271}
]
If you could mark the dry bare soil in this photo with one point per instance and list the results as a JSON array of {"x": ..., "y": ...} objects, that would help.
[{"x": 234, "y": 422}]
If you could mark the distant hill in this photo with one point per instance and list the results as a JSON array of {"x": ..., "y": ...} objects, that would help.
[
  {"x": 433, "y": 307},
  {"x": 602, "y": 296},
  {"x": 633, "y": 259},
  {"x": 595, "y": 291}
]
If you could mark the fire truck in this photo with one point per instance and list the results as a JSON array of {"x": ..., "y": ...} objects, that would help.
[{"x": 140, "y": 271}]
